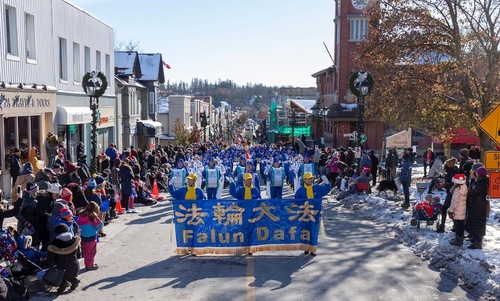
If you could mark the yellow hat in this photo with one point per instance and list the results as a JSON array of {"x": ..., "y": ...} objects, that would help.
[
  {"x": 192, "y": 176},
  {"x": 247, "y": 176},
  {"x": 308, "y": 175}
]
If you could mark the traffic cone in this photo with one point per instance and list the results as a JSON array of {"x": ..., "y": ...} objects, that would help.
[
  {"x": 155, "y": 189},
  {"x": 118, "y": 206}
]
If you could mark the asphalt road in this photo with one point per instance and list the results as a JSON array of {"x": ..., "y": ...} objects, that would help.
[{"x": 356, "y": 261}]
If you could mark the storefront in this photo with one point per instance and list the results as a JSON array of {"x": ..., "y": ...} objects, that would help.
[
  {"x": 71, "y": 123},
  {"x": 105, "y": 128},
  {"x": 27, "y": 116}
]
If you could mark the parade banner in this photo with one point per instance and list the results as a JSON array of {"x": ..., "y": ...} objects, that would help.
[{"x": 238, "y": 227}]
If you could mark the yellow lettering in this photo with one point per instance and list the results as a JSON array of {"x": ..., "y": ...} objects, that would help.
[
  {"x": 305, "y": 235},
  {"x": 279, "y": 234},
  {"x": 238, "y": 236},
  {"x": 262, "y": 233},
  {"x": 212, "y": 236},
  {"x": 202, "y": 238},
  {"x": 292, "y": 231},
  {"x": 186, "y": 235},
  {"x": 223, "y": 239}
]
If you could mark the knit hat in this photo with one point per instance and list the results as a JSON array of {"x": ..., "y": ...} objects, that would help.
[
  {"x": 31, "y": 186},
  {"x": 63, "y": 232},
  {"x": 451, "y": 162},
  {"x": 92, "y": 183},
  {"x": 66, "y": 194},
  {"x": 54, "y": 188},
  {"x": 481, "y": 171},
  {"x": 475, "y": 166},
  {"x": 436, "y": 199},
  {"x": 464, "y": 152},
  {"x": 429, "y": 197},
  {"x": 99, "y": 180},
  {"x": 70, "y": 166},
  {"x": 66, "y": 214},
  {"x": 459, "y": 178}
]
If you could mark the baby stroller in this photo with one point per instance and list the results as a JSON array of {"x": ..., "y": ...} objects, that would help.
[{"x": 428, "y": 210}]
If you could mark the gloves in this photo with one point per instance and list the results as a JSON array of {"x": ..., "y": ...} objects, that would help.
[
  {"x": 450, "y": 215},
  {"x": 230, "y": 180},
  {"x": 325, "y": 179},
  {"x": 171, "y": 182}
]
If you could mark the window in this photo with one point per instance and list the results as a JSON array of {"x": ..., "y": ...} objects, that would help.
[
  {"x": 151, "y": 102},
  {"x": 107, "y": 66},
  {"x": 98, "y": 60},
  {"x": 63, "y": 59},
  {"x": 30, "y": 37},
  {"x": 359, "y": 29},
  {"x": 11, "y": 30},
  {"x": 87, "y": 59},
  {"x": 77, "y": 76}
]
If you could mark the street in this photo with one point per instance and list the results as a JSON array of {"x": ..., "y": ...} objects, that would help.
[{"x": 356, "y": 261}]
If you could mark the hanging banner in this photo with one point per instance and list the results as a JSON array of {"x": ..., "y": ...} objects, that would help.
[{"x": 246, "y": 226}]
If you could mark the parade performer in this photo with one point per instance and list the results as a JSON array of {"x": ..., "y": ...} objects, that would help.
[
  {"x": 276, "y": 180},
  {"x": 245, "y": 192},
  {"x": 189, "y": 192},
  {"x": 249, "y": 168},
  {"x": 312, "y": 191},
  {"x": 212, "y": 175},
  {"x": 179, "y": 173},
  {"x": 306, "y": 166}
]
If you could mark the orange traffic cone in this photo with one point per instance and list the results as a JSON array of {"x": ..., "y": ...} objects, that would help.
[
  {"x": 118, "y": 207},
  {"x": 155, "y": 189}
]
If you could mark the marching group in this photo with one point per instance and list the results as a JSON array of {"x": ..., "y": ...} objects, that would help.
[{"x": 64, "y": 207}]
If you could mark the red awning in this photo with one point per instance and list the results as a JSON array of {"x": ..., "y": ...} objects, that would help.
[{"x": 460, "y": 136}]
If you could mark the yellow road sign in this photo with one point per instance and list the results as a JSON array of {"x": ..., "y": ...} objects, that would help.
[
  {"x": 491, "y": 124},
  {"x": 492, "y": 160}
]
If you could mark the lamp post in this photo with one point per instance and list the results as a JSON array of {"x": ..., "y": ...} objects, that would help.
[
  {"x": 204, "y": 124},
  {"x": 319, "y": 113},
  {"x": 292, "y": 118},
  {"x": 93, "y": 87}
]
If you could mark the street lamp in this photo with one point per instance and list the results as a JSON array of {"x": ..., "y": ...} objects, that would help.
[
  {"x": 204, "y": 123},
  {"x": 293, "y": 119},
  {"x": 94, "y": 84},
  {"x": 319, "y": 114},
  {"x": 363, "y": 88}
]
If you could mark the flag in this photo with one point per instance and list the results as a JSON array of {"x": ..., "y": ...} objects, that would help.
[{"x": 165, "y": 64}]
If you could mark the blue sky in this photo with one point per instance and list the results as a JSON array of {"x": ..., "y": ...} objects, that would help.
[{"x": 273, "y": 42}]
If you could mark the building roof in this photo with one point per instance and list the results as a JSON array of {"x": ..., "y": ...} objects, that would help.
[
  {"x": 343, "y": 111},
  {"x": 304, "y": 104},
  {"x": 127, "y": 64},
  {"x": 327, "y": 70},
  {"x": 151, "y": 67}
]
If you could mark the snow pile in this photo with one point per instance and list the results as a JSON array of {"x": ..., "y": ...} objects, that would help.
[{"x": 478, "y": 270}]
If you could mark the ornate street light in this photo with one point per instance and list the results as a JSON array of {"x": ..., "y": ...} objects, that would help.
[
  {"x": 94, "y": 84},
  {"x": 319, "y": 114},
  {"x": 293, "y": 119},
  {"x": 360, "y": 84}
]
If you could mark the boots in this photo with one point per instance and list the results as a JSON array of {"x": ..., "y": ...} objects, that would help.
[
  {"x": 476, "y": 246},
  {"x": 457, "y": 241},
  {"x": 440, "y": 229}
]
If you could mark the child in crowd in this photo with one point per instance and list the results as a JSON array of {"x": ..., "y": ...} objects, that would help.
[
  {"x": 457, "y": 209},
  {"x": 90, "y": 224}
]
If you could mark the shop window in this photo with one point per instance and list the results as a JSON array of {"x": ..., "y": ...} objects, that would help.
[
  {"x": 10, "y": 137},
  {"x": 77, "y": 76},
  {"x": 98, "y": 60},
  {"x": 35, "y": 132},
  {"x": 358, "y": 29},
  {"x": 87, "y": 59},
  {"x": 23, "y": 132}
]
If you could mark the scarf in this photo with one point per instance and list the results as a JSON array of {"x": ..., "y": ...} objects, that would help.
[
  {"x": 248, "y": 193},
  {"x": 309, "y": 191},
  {"x": 190, "y": 193}
]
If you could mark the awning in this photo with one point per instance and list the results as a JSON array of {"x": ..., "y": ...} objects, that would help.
[
  {"x": 74, "y": 115},
  {"x": 460, "y": 136},
  {"x": 152, "y": 124}
]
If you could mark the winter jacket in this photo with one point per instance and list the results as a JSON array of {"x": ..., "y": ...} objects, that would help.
[
  {"x": 32, "y": 158},
  {"x": 89, "y": 228},
  {"x": 319, "y": 191},
  {"x": 477, "y": 207},
  {"x": 458, "y": 202},
  {"x": 126, "y": 179},
  {"x": 27, "y": 213},
  {"x": 436, "y": 169},
  {"x": 44, "y": 207},
  {"x": 63, "y": 255},
  {"x": 15, "y": 165},
  {"x": 239, "y": 192}
]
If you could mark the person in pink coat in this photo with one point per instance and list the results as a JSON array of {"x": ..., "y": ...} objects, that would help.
[{"x": 458, "y": 207}]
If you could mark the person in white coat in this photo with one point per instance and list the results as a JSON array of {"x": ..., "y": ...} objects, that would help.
[{"x": 458, "y": 207}]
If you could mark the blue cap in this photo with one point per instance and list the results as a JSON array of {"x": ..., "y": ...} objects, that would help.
[
  {"x": 180, "y": 160},
  {"x": 276, "y": 160},
  {"x": 249, "y": 162}
]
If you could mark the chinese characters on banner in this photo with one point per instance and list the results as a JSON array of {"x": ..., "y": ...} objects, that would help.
[{"x": 236, "y": 227}]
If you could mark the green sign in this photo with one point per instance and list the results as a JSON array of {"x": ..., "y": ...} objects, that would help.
[
  {"x": 363, "y": 138},
  {"x": 297, "y": 130},
  {"x": 72, "y": 129}
]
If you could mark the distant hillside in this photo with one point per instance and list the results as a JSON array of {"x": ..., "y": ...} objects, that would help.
[{"x": 252, "y": 97}]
